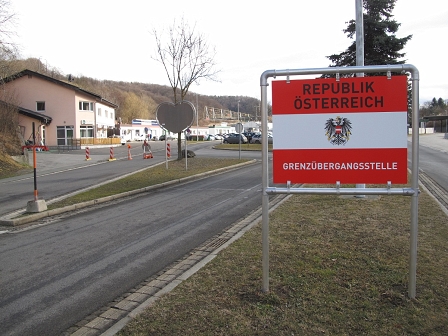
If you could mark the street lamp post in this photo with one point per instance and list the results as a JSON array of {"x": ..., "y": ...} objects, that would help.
[{"x": 238, "y": 111}]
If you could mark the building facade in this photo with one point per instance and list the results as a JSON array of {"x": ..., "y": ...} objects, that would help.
[{"x": 72, "y": 113}]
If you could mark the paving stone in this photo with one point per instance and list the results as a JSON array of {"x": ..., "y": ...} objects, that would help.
[
  {"x": 137, "y": 297},
  {"x": 113, "y": 314},
  {"x": 84, "y": 331},
  {"x": 100, "y": 323},
  {"x": 149, "y": 290},
  {"x": 126, "y": 305}
]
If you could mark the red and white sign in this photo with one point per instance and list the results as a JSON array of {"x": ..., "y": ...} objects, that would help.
[
  {"x": 353, "y": 130},
  {"x": 168, "y": 150}
]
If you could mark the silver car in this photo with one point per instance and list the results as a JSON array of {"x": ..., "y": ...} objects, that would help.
[
  {"x": 256, "y": 139},
  {"x": 234, "y": 139}
]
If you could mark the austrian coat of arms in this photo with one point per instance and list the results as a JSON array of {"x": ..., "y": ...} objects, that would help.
[{"x": 338, "y": 130}]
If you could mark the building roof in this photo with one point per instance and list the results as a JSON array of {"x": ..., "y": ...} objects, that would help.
[
  {"x": 35, "y": 115},
  {"x": 433, "y": 118},
  {"x": 32, "y": 114},
  {"x": 27, "y": 72}
]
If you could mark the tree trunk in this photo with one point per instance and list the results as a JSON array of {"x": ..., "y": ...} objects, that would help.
[{"x": 179, "y": 146}]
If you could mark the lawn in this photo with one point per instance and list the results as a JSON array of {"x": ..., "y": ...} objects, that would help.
[{"x": 338, "y": 266}]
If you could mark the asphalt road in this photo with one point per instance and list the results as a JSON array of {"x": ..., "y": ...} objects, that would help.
[
  {"x": 53, "y": 276},
  {"x": 64, "y": 173},
  {"x": 434, "y": 163}
]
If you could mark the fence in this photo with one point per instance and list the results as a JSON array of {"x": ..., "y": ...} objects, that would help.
[{"x": 100, "y": 141}]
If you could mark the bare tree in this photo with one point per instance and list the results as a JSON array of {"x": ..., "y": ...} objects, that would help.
[
  {"x": 187, "y": 58},
  {"x": 8, "y": 49},
  {"x": 8, "y": 101}
]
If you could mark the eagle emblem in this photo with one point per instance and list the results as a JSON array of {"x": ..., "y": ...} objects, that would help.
[{"x": 338, "y": 130}]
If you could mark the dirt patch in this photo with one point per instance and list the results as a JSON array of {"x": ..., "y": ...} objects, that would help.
[{"x": 11, "y": 146}]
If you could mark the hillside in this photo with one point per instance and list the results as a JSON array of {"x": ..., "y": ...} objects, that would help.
[{"x": 140, "y": 100}]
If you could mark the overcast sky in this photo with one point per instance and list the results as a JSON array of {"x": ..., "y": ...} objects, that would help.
[{"x": 112, "y": 40}]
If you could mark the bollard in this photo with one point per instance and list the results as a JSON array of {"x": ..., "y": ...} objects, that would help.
[
  {"x": 111, "y": 154},
  {"x": 87, "y": 154}
]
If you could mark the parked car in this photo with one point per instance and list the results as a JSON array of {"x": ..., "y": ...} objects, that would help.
[
  {"x": 139, "y": 137},
  {"x": 218, "y": 137},
  {"x": 234, "y": 139},
  {"x": 209, "y": 137},
  {"x": 249, "y": 135},
  {"x": 256, "y": 139},
  {"x": 163, "y": 136}
]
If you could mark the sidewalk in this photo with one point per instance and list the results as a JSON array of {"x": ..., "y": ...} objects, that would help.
[
  {"x": 53, "y": 161},
  {"x": 435, "y": 141},
  {"x": 47, "y": 161}
]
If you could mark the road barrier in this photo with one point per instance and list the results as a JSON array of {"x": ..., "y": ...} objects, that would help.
[
  {"x": 88, "y": 154},
  {"x": 111, "y": 154},
  {"x": 129, "y": 152},
  {"x": 168, "y": 150}
]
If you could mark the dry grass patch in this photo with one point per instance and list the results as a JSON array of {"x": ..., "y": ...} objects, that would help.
[
  {"x": 338, "y": 266},
  {"x": 149, "y": 177},
  {"x": 9, "y": 167}
]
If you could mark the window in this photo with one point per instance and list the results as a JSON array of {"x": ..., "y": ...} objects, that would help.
[
  {"x": 85, "y": 106},
  {"x": 64, "y": 135},
  {"x": 40, "y": 106},
  {"x": 99, "y": 112},
  {"x": 86, "y": 131}
]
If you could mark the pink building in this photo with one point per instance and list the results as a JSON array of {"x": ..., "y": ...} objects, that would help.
[{"x": 61, "y": 111}]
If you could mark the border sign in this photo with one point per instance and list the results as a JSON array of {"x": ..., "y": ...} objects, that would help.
[
  {"x": 351, "y": 130},
  {"x": 322, "y": 99}
]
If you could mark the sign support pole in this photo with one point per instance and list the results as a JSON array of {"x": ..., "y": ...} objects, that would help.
[
  {"x": 359, "y": 51},
  {"x": 265, "y": 182},
  {"x": 186, "y": 151},
  {"x": 414, "y": 185}
]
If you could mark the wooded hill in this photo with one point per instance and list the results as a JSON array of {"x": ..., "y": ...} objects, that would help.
[{"x": 140, "y": 100}]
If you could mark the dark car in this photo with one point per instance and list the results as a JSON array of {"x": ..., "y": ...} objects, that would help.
[
  {"x": 234, "y": 139},
  {"x": 249, "y": 135},
  {"x": 163, "y": 136}
]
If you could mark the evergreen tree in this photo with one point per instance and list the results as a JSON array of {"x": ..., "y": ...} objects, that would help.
[{"x": 381, "y": 46}]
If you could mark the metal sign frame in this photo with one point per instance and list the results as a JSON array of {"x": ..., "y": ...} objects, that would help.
[{"x": 413, "y": 191}]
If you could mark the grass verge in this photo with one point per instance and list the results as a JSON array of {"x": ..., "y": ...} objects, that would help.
[
  {"x": 149, "y": 177},
  {"x": 338, "y": 266}
]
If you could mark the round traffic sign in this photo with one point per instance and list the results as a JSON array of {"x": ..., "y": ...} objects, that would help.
[{"x": 239, "y": 127}]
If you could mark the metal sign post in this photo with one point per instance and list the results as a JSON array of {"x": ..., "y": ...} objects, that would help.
[
  {"x": 239, "y": 128},
  {"x": 348, "y": 102},
  {"x": 186, "y": 151},
  {"x": 359, "y": 49}
]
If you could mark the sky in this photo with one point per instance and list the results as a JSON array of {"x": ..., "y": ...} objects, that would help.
[{"x": 113, "y": 40}]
